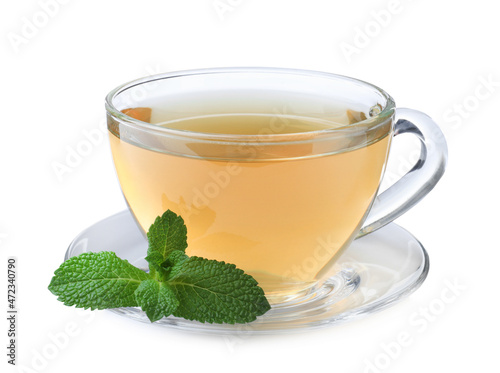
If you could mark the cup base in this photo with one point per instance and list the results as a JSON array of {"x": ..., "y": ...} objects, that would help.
[{"x": 374, "y": 272}]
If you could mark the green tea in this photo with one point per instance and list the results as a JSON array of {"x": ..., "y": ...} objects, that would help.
[{"x": 283, "y": 217}]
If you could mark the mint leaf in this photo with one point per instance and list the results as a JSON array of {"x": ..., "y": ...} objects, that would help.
[
  {"x": 97, "y": 280},
  {"x": 166, "y": 234},
  {"x": 214, "y": 292},
  {"x": 190, "y": 287},
  {"x": 173, "y": 264},
  {"x": 156, "y": 299},
  {"x": 155, "y": 260}
]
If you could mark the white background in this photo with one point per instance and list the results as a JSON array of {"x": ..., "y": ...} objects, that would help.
[{"x": 429, "y": 55}]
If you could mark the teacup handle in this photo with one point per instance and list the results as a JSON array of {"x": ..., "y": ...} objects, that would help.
[{"x": 420, "y": 180}]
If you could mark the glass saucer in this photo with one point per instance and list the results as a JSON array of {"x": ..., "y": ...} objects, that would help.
[{"x": 376, "y": 271}]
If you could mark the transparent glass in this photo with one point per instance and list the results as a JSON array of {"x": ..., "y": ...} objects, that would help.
[{"x": 281, "y": 204}]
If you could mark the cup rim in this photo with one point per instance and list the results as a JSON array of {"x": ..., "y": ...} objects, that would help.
[{"x": 370, "y": 123}]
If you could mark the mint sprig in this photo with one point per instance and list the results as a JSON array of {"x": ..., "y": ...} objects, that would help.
[{"x": 190, "y": 287}]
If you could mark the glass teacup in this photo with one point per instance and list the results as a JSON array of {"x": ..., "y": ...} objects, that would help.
[{"x": 274, "y": 170}]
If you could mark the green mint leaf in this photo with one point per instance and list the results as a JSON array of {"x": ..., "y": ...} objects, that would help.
[
  {"x": 173, "y": 264},
  {"x": 162, "y": 270},
  {"x": 168, "y": 233},
  {"x": 156, "y": 299},
  {"x": 190, "y": 287},
  {"x": 155, "y": 260},
  {"x": 214, "y": 292},
  {"x": 97, "y": 280}
]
